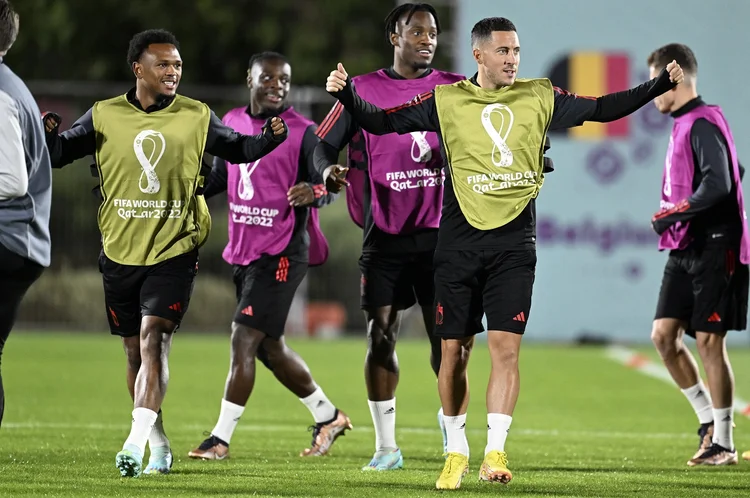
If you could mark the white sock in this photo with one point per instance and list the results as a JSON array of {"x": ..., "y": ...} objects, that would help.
[
  {"x": 384, "y": 419},
  {"x": 498, "y": 426},
  {"x": 700, "y": 399},
  {"x": 143, "y": 422},
  {"x": 158, "y": 438},
  {"x": 455, "y": 427},
  {"x": 723, "y": 428},
  {"x": 321, "y": 408},
  {"x": 229, "y": 416}
]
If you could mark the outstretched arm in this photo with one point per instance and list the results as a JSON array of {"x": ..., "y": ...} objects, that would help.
[
  {"x": 572, "y": 110},
  {"x": 77, "y": 142},
  {"x": 419, "y": 114},
  {"x": 226, "y": 143}
]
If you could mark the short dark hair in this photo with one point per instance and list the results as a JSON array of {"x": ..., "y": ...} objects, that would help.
[
  {"x": 408, "y": 10},
  {"x": 674, "y": 52},
  {"x": 265, "y": 56},
  {"x": 140, "y": 42},
  {"x": 8, "y": 25},
  {"x": 484, "y": 28}
]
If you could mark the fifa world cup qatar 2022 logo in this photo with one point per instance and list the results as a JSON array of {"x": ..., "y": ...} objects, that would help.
[{"x": 149, "y": 182}]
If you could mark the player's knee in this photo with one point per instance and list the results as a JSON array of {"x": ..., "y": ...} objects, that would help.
[
  {"x": 666, "y": 338},
  {"x": 263, "y": 357},
  {"x": 380, "y": 324},
  {"x": 710, "y": 345},
  {"x": 156, "y": 337},
  {"x": 381, "y": 330},
  {"x": 506, "y": 357},
  {"x": 245, "y": 340},
  {"x": 271, "y": 352},
  {"x": 455, "y": 351}
]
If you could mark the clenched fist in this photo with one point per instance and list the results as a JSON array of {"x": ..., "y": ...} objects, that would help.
[
  {"x": 337, "y": 79},
  {"x": 277, "y": 125},
  {"x": 51, "y": 121},
  {"x": 275, "y": 129},
  {"x": 675, "y": 72}
]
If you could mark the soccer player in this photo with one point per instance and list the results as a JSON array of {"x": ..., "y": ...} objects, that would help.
[
  {"x": 395, "y": 194},
  {"x": 148, "y": 146},
  {"x": 492, "y": 129},
  {"x": 25, "y": 188},
  {"x": 272, "y": 240},
  {"x": 704, "y": 291}
]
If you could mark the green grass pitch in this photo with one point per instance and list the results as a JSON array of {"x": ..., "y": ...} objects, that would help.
[{"x": 584, "y": 425}]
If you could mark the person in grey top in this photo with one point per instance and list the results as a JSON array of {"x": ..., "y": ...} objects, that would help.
[{"x": 25, "y": 188}]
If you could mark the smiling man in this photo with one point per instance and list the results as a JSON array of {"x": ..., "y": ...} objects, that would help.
[
  {"x": 492, "y": 131},
  {"x": 148, "y": 145},
  {"x": 273, "y": 237}
]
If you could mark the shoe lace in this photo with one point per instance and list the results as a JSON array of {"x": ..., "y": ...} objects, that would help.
[
  {"x": 209, "y": 442},
  {"x": 316, "y": 428},
  {"x": 451, "y": 463},
  {"x": 702, "y": 433},
  {"x": 712, "y": 450},
  {"x": 315, "y": 431},
  {"x": 501, "y": 459}
]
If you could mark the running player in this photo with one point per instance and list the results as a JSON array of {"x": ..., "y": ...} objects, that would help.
[
  {"x": 148, "y": 146},
  {"x": 395, "y": 195},
  {"x": 704, "y": 291},
  {"x": 492, "y": 130},
  {"x": 272, "y": 240}
]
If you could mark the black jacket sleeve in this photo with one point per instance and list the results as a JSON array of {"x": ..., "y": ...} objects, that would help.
[
  {"x": 217, "y": 180},
  {"x": 308, "y": 171},
  {"x": 224, "y": 142},
  {"x": 334, "y": 133},
  {"x": 324, "y": 155},
  {"x": 573, "y": 110},
  {"x": 77, "y": 142},
  {"x": 710, "y": 151},
  {"x": 419, "y": 114}
]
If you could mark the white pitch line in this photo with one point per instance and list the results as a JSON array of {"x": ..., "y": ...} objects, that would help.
[
  {"x": 366, "y": 428},
  {"x": 643, "y": 364}
]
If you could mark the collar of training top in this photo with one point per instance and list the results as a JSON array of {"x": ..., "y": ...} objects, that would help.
[
  {"x": 266, "y": 114},
  {"x": 689, "y": 106},
  {"x": 162, "y": 101}
]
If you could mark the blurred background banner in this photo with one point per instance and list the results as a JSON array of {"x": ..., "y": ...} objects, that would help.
[{"x": 599, "y": 270}]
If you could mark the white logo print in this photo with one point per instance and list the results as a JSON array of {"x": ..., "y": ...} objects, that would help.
[
  {"x": 148, "y": 163},
  {"x": 499, "y": 144},
  {"x": 668, "y": 169},
  {"x": 245, "y": 189},
  {"x": 424, "y": 151}
]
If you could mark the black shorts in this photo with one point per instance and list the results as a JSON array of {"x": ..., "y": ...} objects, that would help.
[
  {"x": 399, "y": 280},
  {"x": 265, "y": 290},
  {"x": 131, "y": 292},
  {"x": 707, "y": 288},
  {"x": 470, "y": 284}
]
